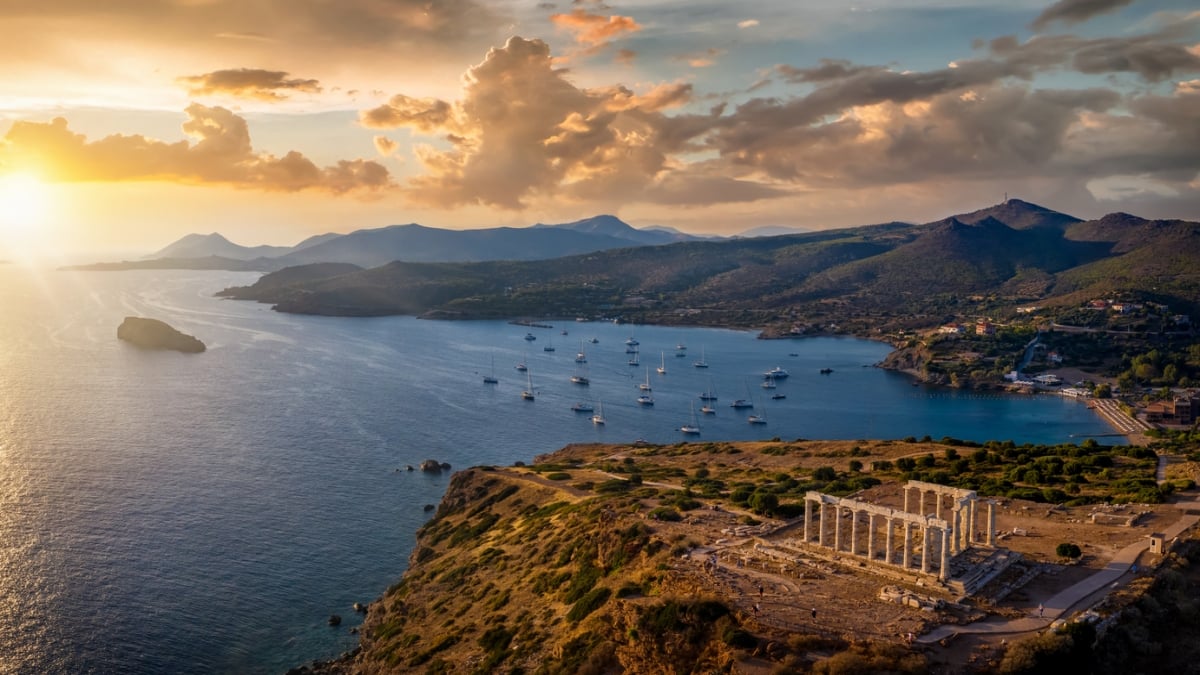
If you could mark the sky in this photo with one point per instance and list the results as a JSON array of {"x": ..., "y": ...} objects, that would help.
[{"x": 126, "y": 124}]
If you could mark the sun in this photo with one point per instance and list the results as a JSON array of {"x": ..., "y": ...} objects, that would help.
[{"x": 24, "y": 204}]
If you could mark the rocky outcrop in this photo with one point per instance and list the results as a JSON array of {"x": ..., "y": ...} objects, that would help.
[{"x": 155, "y": 334}]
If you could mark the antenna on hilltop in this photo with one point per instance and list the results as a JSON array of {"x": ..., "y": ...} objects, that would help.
[{"x": 1005, "y": 197}]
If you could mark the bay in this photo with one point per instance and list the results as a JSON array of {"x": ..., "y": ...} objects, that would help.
[{"x": 163, "y": 512}]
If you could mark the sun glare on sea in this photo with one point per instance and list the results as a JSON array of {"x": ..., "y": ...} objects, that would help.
[
  {"x": 24, "y": 208},
  {"x": 24, "y": 202}
]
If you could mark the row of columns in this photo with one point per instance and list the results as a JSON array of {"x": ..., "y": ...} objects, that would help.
[
  {"x": 934, "y": 532},
  {"x": 961, "y": 512}
]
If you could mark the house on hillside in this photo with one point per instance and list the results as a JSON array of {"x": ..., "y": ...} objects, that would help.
[
  {"x": 1180, "y": 410},
  {"x": 952, "y": 329},
  {"x": 985, "y": 327}
]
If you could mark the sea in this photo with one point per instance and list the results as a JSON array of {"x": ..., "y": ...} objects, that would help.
[{"x": 206, "y": 513}]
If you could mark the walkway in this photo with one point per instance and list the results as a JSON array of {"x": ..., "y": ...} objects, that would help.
[
  {"x": 1059, "y": 605},
  {"x": 1133, "y": 428}
]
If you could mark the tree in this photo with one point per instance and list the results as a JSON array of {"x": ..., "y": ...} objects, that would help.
[{"x": 1066, "y": 550}]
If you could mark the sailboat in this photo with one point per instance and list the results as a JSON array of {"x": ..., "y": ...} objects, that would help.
[
  {"x": 521, "y": 367},
  {"x": 582, "y": 407},
  {"x": 598, "y": 418},
  {"x": 701, "y": 363},
  {"x": 708, "y": 394},
  {"x": 635, "y": 359},
  {"x": 662, "y": 367},
  {"x": 742, "y": 402},
  {"x": 691, "y": 428},
  {"x": 491, "y": 377},
  {"x": 581, "y": 357},
  {"x": 768, "y": 382},
  {"x": 549, "y": 347},
  {"x": 645, "y": 386},
  {"x": 759, "y": 417},
  {"x": 528, "y": 393},
  {"x": 580, "y": 377}
]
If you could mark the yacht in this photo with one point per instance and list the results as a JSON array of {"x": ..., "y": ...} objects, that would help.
[
  {"x": 582, "y": 407},
  {"x": 645, "y": 399},
  {"x": 527, "y": 394},
  {"x": 645, "y": 386},
  {"x": 491, "y": 378},
  {"x": 530, "y": 337},
  {"x": 662, "y": 367},
  {"x": 598, "y": 418},
  {"x": 741, "y": 403},
  {"x": 777, "y": 373},
  {"x": 691, "y": 428},
  {"x": 632, "y": 342},
  {"x": 708, "y": 409},
  {"x": 768, "y": 383},
  {"x": 701, "y": 363}
]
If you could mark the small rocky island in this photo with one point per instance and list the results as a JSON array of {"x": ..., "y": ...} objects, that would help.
[{"x": 155, "y": 334}]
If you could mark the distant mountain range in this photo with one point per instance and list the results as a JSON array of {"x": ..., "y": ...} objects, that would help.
[
  {"x": 893, "y": 274},
  {"x": 410, "y": 243}
]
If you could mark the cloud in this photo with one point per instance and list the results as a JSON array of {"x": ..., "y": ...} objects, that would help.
[
  {"x": 423, "y": 114},
  {"x": 385, "y": 146},
  {"x": 1075, "y": 11},
  {"x": 220, "y": 152},
  {"x": 748, "y": 23},
  {"x": 522, "y": 133},
  {"x": 522, "y": 130},
  {"x": 595, "y": 30},
  {"x": 253, "y": 83}
]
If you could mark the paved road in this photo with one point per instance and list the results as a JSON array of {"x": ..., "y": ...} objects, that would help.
[{"x": 1059, "y": 605}]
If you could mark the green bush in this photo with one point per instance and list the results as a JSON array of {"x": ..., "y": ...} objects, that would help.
[{"x": 1067, "y": 550}]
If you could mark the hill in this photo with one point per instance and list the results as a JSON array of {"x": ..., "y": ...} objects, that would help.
[
  {"x": 863, "y": 280},
  {"x": 215, "y": 245}
]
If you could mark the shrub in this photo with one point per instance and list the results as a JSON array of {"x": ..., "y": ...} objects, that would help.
[
  {"x": 1067, "y": 550},
  {"x": 588, "y": 604}
]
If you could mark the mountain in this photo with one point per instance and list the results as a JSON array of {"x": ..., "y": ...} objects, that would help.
[
  {"x": 1021, "y": 215},
  {"x": 866, "y": 278},
  {"x": 414, "y": 243},
  {"x": 611, "y": 226},
  {"x": 215, "y": 245},
  {"x": 772, "y": 231}
]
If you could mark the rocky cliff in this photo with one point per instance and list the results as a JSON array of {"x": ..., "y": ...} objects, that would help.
[{"x": 155, "y": 334}]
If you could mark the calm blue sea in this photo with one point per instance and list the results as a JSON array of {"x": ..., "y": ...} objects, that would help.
[{"x": 171, "y": 513}]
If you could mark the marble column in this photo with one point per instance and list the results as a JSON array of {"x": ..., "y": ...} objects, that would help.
[
  {"x": 837, "y": 528},
  {"x": 905, "y": 491},
  {"x": 870, "y": 536},
  {"x": 925, "y": 548},
  {"x": 938, "y": 511},
  {"x": 920, "y": 502},
  {"x": 953, "y": 520},
  {"x": 907, "y": 545},
  {"x": 944, "y": 571},
  {"x": 853, "y": 532},
  {"x": 807, "y": 519},
  {"x": 887, "y": 552},
  {"x": 991, "y": 533},
  {"x": 821, "y": 526}
]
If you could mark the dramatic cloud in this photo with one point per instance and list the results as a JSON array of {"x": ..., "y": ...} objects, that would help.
[
  {"x": 1075, "y": 11},
  {"x": 522, "y": 130},
  {"x": 263, "y": 85},
  {"x": 220, "y": 153}
]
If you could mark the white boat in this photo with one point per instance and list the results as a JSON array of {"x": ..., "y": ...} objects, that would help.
[
  {"x": 527, "y": 394},
  {"x": 491, "y": 377},
  {"x": 758, "y": 417},
  {"x": 582, "y": 407},
  {"x": 708, "y": 409},
  {"x": 709, "y": 394},
  {"x": 594, "y": 340},
  {"x": 645, "y": 399},
  {"x": 701, "y": 363},
  {"x": 581, "y": 357},
  {"x": 768, "y": 383},
  {"x": 632, "y": 342},
  {"x": 681, "y": 347},
  {"x": 580, "y": 377},
  {"x": 521, "y": 367},
  {"x": 645, "y": 386},
  {"x": 741, "y": 403},
  {"x": 692, "y": 428},
  {"x": 530, "y": 337},
  {"x": 777, "y": 373},
  {"x": 636, "y": 359},
  {"x": 549, "y": 347},
  {"x": 598, "y": 418},
  {"x": 662, "y": 366}
]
